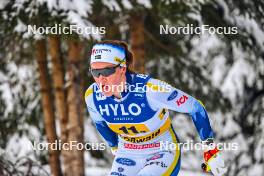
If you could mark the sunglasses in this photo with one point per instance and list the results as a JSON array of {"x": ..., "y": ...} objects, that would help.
[{"x": 104, "y": 71}]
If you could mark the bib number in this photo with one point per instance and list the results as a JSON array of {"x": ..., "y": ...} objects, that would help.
[{"x": 129, "y": 129}]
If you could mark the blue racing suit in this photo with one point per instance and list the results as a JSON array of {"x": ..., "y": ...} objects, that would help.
[{"x": 138, "y": 124}]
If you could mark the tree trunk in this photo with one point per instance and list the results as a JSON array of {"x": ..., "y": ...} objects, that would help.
[
  {"x": 137, "y": 39},
  {"x": 58, "y": 73},
  {"x": 75, "y": 121},
  {"x": 48, "y": 109}
]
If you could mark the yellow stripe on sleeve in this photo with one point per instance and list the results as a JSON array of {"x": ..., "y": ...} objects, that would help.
[
  {"x": 88, "y": 92},
  {"x": 177, "y": 155},
  {"x": 158, "y": 88},
  {"x": 201, "y": 103}
]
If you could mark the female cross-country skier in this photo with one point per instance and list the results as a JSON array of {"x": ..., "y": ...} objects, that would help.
[{"x": 130, "y": 111}]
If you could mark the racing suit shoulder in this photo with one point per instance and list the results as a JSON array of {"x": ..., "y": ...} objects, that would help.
[
  {"x": 89, "y": 91},
  {"x": 162, "y": 94}
]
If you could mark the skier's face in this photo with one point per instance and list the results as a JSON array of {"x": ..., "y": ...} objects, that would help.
[{"x": 111, "y": 79}]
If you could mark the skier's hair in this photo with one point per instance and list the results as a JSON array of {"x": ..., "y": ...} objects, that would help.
[{"x": 129, "y": 54}]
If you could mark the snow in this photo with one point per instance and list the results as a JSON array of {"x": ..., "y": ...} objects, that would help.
[
  {"x": 246, "y": 23},
  {"x": 256, "y": 170},
  {"x": 96, "y": 171},
  {"x": 76, "y": 12},
  {"x": 19, "y": 146},
  {"x": 75, "y": 18},
  {"x": 202, "y": 46},
  {"x": 230, "y": 79},
  {"x": 24, "y": 74},
  {"x": 3, "y": 3},
  {"x": 225, "y": 7},
  {"x": 244, "y": 160},
  {"x": 259, "y": 151},
  {"x": 7, "y": 97},
  {"x": 230, "y": 128},
  {"x": 234, "y": 81},
  {"x": 82, "y": 7},
  {"x": 127, "y": 4},
  {"x": 52, "y": 4},
  {"x": 112, "y": 5},
  {"x": 145, "y": 3},
  {"x": 195, "y": 16},
  {"x": 252, "y": 27},
  {"x": 218, "y": 69}
]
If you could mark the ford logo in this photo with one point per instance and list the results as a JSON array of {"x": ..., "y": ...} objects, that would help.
[
  {"x": 126, "y": 161},
  {"x": 172, "y": 95}
]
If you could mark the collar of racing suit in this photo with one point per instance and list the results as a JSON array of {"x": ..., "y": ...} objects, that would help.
[{"x": 129, "y": 78}]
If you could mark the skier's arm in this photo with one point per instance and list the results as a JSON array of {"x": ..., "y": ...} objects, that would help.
[
  {"x": 108, "y": 135},
  {"x": 162, "y": 94}
]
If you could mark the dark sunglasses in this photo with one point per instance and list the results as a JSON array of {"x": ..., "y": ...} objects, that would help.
[{"x": 104, "y": 71}]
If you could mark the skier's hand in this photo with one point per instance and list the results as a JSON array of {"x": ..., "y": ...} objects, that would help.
[{"x": 214, "y": 161}]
